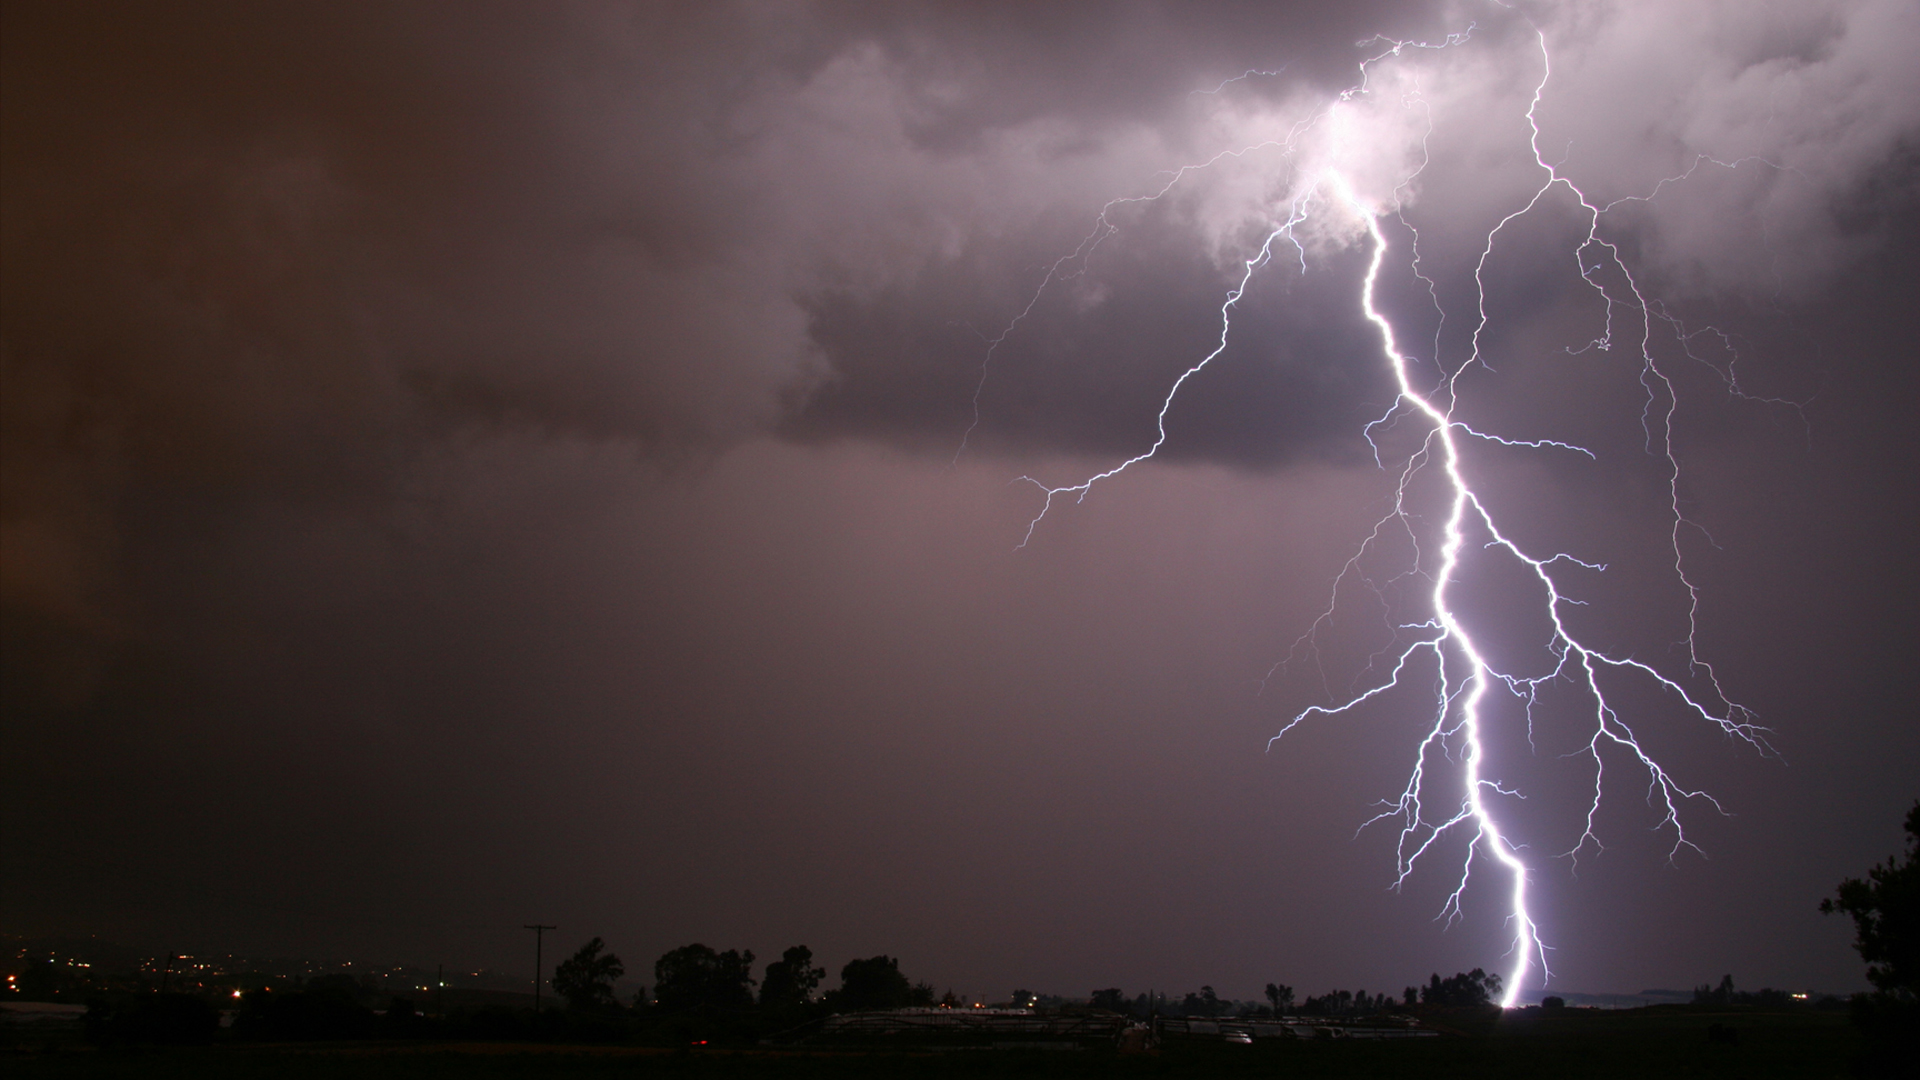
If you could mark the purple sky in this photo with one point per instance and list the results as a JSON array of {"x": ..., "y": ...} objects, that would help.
[{"x": 468, "y": 465}]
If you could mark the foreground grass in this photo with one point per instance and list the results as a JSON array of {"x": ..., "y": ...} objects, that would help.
[{"x": 1578, "y": 1043}]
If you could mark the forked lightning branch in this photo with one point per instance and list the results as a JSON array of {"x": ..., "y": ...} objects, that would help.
[{"x": 1452, "y": 791}]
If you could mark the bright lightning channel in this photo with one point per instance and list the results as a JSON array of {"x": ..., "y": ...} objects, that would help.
[{"x": 1464, "y": 675}]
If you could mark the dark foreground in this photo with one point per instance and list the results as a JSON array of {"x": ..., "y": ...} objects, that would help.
[{"x": 1577, "y": 1043}]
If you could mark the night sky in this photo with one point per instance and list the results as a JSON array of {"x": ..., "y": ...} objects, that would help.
[{"x": 477, "y": 464}]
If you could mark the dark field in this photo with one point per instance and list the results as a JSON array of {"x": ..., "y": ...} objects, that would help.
[{"x": 1653, "y": 1042}]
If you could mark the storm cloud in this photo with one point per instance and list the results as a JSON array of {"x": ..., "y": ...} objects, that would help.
[{"x": 514, "y": 453}]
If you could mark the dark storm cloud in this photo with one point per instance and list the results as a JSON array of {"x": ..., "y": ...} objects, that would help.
[
  {"x": 1089, "y": 374},
  {"x": 258, "y": 248},
  {"x": 333, "y": 231},
  {"x": 467, "y": 461}
]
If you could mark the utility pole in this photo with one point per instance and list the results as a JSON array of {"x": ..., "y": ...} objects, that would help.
[{"x": 539, "y": 976}]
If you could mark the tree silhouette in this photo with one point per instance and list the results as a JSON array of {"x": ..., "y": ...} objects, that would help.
[
  {"x": 1474, "y": 987},
  {"x": 1710, "y": 995},
  {"x": 1280, "y": 996},
  {"x": 694, "y": 975},
  {"x": 1205, "y": 1003},
  {"x": 791, "y": 979},
  {"x": 876, "y": 983},
  {"x": 1885, "y": 909},
  {"x": 586, "y": 978},
  {"x": 1336, "y": 1003}
]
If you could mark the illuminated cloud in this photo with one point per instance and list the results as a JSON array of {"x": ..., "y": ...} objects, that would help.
[{"x": 534, "y": 431}]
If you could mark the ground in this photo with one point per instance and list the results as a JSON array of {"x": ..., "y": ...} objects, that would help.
[{"x": 1657, "y": 1042}]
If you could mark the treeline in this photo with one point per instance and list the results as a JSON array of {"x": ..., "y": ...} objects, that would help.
[
  {"x": 696, "y": 977},
  {"x": 1469, "y": 988},
  {"x": 1724, "y": 995},
  {"x": 698, "y": 995}
]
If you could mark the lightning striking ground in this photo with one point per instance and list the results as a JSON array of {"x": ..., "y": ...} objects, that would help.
[{"x": 1442, "y": 642}]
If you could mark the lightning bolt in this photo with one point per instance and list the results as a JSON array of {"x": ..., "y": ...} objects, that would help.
[{"x": 1440, "y": 641}]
